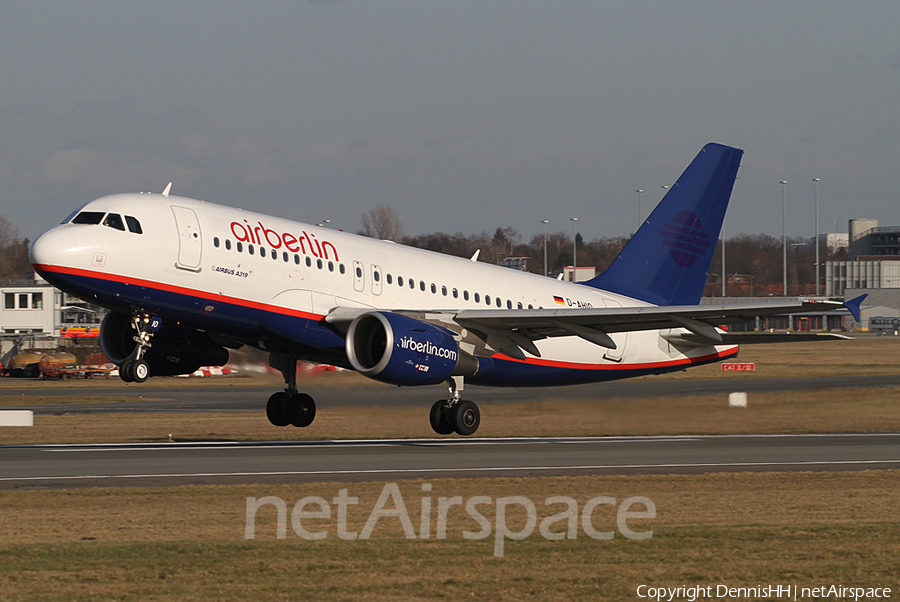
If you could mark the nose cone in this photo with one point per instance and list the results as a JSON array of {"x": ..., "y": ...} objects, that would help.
[{"x": 53, "y": 248}]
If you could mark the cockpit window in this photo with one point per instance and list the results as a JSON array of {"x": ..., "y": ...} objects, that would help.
[
  {"x": 133, "y": 225},
  {"x": 73, "y": 214},
  {"x": 89, "y": 217},
  {"x": 114, "y": 220}
]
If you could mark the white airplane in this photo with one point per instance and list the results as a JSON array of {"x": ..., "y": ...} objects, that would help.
[{"x": 186, "y": 280}]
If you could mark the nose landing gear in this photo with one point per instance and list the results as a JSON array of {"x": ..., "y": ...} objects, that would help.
[
  {"x": 135, "y": 367},
  {"x": 453, "y": 414}
]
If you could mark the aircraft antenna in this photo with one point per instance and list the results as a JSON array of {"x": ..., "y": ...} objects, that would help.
[
  {"x": 475, "y": 256},
  {"x": 168, "y": 188}
]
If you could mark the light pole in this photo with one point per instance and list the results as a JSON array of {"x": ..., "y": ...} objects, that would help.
[
  {"x": 816, "y": 239},
  {"x": 783, "y": 240},
  {"x": 574, "y": 252},
  {"x": 640, "y": 191},
  {"x": 545, "y": 222}
]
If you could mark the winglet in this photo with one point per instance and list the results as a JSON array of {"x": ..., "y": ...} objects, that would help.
[{"x": 853, "y": 306}]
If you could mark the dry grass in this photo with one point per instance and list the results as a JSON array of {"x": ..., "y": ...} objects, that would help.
[
  {"x": 835, "y": 410},
  {"x": 188, "y": 543},
  {"x": 865, "y": 355}
]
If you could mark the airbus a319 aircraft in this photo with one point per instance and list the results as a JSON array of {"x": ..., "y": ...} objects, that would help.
[{"x": 187, "y": 280}]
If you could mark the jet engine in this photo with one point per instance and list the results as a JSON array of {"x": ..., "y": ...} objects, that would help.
[
  {"x": 400, "y": 350},
  {"x": 174, "y": 350}
]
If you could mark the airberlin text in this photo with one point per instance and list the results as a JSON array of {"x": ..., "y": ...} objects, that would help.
[
  {"x": 427, "y": 347},
  {"x": 306, "y": 243},
  {"x": 521, "y": 511}
]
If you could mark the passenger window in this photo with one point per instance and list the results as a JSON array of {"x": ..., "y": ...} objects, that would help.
[
  {"x": 341, "y": 267},
  {"x": 250, "y": 249},
  {"x": 444, "y": 290},
  {"x": 422, "y": 285},
  {"x": 227, "y": 244},
  {"x": 284, "y": 256},
  {"x": 133, "y": 225},
  {"x": 114, "y": 220},
  {"x": 412, "y": 283},
  {"x": 319, "y": 263},
  {"x": 466, "y": 295},
  {"x": 240, "y": 248},
  {"x": 399, "y": 280},
  {"x": 519, "y": 305},
  {"x": 216, "y": 242},
  {"x": 262, "y": 251},
  {"x": 390, "y": 279},
  {"x": 308, "y": 262},
  {"x": 477, "y": 298},
  {"x": 297, "y": 259},
  {"x": 487, "y": 299},
  {"x": 331, "y": 267},
  {"x": 275, "y": 254},
  {"x": 508, "y": 304},
  {"x": 433, "y": 289},
  {"x": 455, "y": 294},
  {"x": 89, "y": 217}
]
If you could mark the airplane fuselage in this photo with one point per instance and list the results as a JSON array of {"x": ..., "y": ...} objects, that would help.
[{"x": 270, "y": 282}]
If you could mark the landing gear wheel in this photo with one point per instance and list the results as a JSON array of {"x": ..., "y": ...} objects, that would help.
[
  {"x": 140, "y": 370},
  {"x": 301, "y": 409},
  {"x": 275, "y": 410},
  {"x": 439, "y": 418},
  {"x": 126, "y": 372},
  {"x": 465, "y": 417}
]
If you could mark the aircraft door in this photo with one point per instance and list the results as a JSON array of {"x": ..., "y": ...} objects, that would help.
[
  {"x": 376, "y": 280},
  {"x": 190, "y": 242},
  {"x": 359, "y": 277},
  {"x": 619, "y": 338}
]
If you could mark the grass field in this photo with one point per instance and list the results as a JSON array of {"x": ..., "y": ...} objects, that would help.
[
  {"x": 188, "y": 543},
  {"x": 740, "y": 530}
]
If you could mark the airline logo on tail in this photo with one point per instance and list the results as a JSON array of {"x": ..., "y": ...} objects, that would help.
[{"x": 684, "y": 235}]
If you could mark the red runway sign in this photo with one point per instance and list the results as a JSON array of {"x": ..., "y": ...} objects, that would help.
[{"x": 739, "y": 367}]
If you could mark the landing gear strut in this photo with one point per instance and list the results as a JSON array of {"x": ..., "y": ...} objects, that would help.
[
  {"x": 135, "y": 367},
  {"x": 291, "y": 406},
  {"x": 453, "y": 414}
]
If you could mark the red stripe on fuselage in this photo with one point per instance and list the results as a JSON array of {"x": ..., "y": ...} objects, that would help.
[{"x": 169, "y": 288}]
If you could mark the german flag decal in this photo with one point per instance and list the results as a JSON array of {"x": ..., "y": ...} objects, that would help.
[{"x": 559, "y": 300}]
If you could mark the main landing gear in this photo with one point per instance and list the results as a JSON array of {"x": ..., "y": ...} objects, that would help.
[
  {"x": 453, "y": 414},
  {"x": 289, "y": 407},
  {"x": 135, "y": 368}
]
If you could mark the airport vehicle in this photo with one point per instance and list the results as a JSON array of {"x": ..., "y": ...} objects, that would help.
[{"x": 186, "y": 280}]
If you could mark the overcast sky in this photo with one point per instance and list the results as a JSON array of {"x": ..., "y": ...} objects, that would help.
[{"x": 462, "y": 116}]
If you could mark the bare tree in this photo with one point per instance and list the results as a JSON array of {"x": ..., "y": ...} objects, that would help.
[{"x": 382, "y": 222}]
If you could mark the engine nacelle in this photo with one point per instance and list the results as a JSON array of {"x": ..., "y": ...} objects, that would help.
[
  {"x": 174, "y": 350},
  {"x": 399, "y": 350}
]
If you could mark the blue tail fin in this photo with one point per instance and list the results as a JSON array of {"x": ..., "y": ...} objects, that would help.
[{"x": 667, "y": 262}]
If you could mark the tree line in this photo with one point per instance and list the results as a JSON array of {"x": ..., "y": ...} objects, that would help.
[
  {"x": 14, "y": 264},
  {"x": 753, "y": 262}
]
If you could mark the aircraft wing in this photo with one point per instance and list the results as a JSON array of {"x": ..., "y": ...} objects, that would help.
[{"x": 512, "y": 331}]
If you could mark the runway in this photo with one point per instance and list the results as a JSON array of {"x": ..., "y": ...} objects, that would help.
[
  {"x": 253, "y": 399},
  {"x": 142, "y": 465}
]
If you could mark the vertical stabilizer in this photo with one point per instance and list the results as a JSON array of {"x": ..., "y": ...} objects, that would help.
[{"x": 667, "y": 262}]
